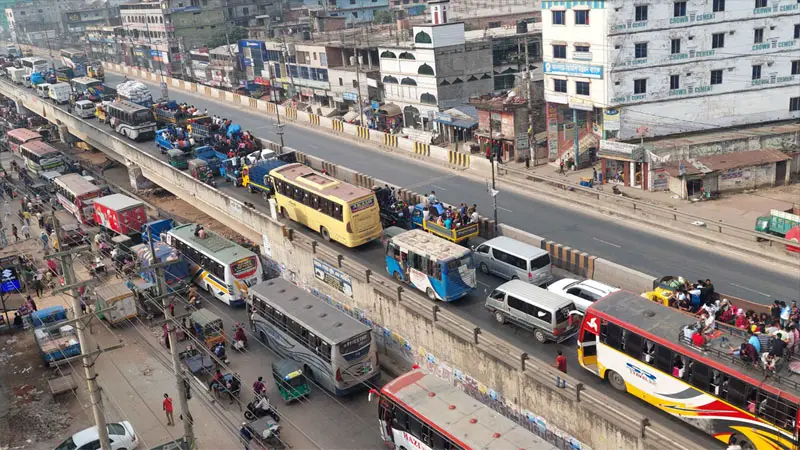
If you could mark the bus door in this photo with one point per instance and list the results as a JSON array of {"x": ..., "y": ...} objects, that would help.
[{"x": 587, "y": 343}]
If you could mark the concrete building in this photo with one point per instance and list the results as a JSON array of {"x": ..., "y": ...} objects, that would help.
[
  {"x": 437, "y": 70},
  {"x": 77, "y": 21},
  {"x": 104, "y": 43},
  {"x": 158, "y": 34},
  {"x": 354, "y": 11},
  {"x": 244, "y": 13},
  {"x": 39, "y": 22},
  {"x": 503, "y": 124},
  {"x": 728, "y": 173},
  {"x": 5, "y": 4},
  {"x": 223, "y": 65},
  {"x": 624, "y": 70}
]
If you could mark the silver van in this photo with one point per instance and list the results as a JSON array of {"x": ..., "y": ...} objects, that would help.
[
  {"x": 544, "y": 313},
  {"x": 514, "y": 260}
]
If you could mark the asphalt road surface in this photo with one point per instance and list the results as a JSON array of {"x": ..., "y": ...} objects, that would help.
[{"x": 591, "y": 233}]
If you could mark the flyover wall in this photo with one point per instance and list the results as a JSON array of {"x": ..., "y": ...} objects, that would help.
[{"x": 409, "y": 327}]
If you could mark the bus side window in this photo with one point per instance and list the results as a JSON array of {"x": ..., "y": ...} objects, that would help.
[
  {"x": 400, "y": 420},
  {"x": 633, "y": 345},
  {"x": 439, "y": 443},
  {"x": 325, "y": 350},
  {"x": 414, "y": 426},
  {"x": 701, "y": 377},
  {"x": 663, "y": 359},
  {"x": 612, "y": 337},
  {"x": 736, "y": 393}
]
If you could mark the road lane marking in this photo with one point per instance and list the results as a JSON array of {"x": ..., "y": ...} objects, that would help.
[
  {"x": 751, "y": 290},
  {"x": 438, "y": 187},
  {"x": 505, "y": 209},
  {"x": 607, "y": 243},
  {"x": 485, "y": 285}
]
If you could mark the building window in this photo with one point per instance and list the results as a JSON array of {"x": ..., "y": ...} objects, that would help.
[
  {"x": 797, "y": 31},
  {"x": 407, "y": 55},
  {"x": 718, "y": 40},
  {"x": 388, "y": 54},
  {"x": 355, "y": 83},
  {"x": 559, "y": 17},
  {"x": 716, "y": 77},
  {"x": 679, "y": 9},
  {"x": 559, "y": 51},
  {"x": 761, "y": 3},
  {"x": 388, "y": 79},
  {"x": 674, "y": 82},
  {"x": 640, "y": 50},
  {"x": 581, "y": 88},
  {"x": 425, "y": 70},
  {"x": 756, "y": 72},
  {"x": 640, "y": 86},
  {"x": 408, "y": 82},
  {"x": 582, "y": 48},
  {"x": 719, "y": 5},
  {"x": 796, "y": 67},
  {"x": 675, "y": 46},
  {"x": 641, "y": 13},
  {"x": 582, "y": 17},
  {"x": 758, "y": 35},
  {"x": 560, "y": 86},
  {"x": 422, "y": 38},
  {"x": 794, "y": 104},
  {"x": 427, "y": 99}
]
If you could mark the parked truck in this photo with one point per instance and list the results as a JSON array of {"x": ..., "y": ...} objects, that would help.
[
  {"x": 60, "y": 93},
  {"x": 55, "y": 342},
  {"x": 212, "y": 157},
  {"x": 120, "y": 213},
  {"x": 16, "y": 74},
  {"x": 778, "y": 223},
  {"x": 117, "y": 303}
]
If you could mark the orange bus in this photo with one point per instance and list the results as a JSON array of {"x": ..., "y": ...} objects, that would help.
[{"x": 19, "y": 136}]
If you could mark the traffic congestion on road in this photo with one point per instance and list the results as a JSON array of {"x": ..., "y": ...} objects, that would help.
[{"x": 501, "y": 285}]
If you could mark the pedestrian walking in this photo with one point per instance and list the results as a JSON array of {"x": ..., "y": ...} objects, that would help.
[
  {"x": 27, "y": 217},
  {"x": 38, "y": 284},
  {"x": 40, "y": 219},
  {"x": 561, "y": 362},
  {"x": 26, "y": 231},
  {"x": 45, "y": 240},
  {"x": 528, "y": 160},
  {"x": 561, "y": 167},
  {"x": 167, "y": 405},
  {"x": 15, "y": 232},
  {"x": 594, "y": 174}
]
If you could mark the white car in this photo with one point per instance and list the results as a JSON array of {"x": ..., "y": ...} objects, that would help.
[
  {"x": 583, "y": 293},
  {"x": 120, "y": 434},
  {"x": 266, "y": 154}
]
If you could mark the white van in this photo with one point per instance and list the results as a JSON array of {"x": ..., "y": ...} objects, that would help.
[
  {"x": 43, "y": 90},
  {"x": 60, "y": 92},
  {"x": 26, "y": 81},
  {"x": 84, "y": 109},
  {"x": 549, "y": 316},
  {"x": 514, "y": 260}
]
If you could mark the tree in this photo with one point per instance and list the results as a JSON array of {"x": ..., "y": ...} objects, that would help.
[
  {"x": 234, "y": 35},
  {"x": 382, "y": 16}
]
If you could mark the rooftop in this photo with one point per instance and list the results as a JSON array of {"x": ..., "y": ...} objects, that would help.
[
  {"x": 721, "y": 136},
  {"x": 502, "y": 32},
  {"x": 504, "y": 102},
  {"x": 726, "y": 161}
]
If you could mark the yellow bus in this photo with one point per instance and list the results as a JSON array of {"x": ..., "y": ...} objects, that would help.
[{"x": 337, "y": 210}]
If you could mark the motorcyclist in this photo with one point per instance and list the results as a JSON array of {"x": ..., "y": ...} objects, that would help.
[
  {"x": 261, "y": 406},
  {"x": 191, "y": 296},
  {"x": 239, "y": 338},
  {"x": 219, "y": 350}
]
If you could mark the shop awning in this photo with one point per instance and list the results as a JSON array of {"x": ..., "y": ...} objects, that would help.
[
  {"x": 350, "y": 116},
  {"x": 390, "y": 110}
]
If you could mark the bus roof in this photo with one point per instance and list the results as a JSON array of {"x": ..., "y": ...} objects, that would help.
[
  {"x": 222, "y": 249},
  {"x": 24, "y": 134},
  {"x": 426, "y": 244},
  {"x": 473, "y": 424},
  {"x": 666, "y": 324},
  {"x": 320, "y": 183},
  {"x": 77, "y": 184},
  {"x": 125, "y": 105},
  {"x": 323, "y": 319},
  {"x": 39, "y": 148}
]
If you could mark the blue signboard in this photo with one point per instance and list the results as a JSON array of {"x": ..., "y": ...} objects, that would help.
[
  {"x": 155, "y": 53},
  {"x": 10, "y": 282},
  {"x": 578, "y": 70},
  {"x": 352, "y": 96},
  {"x": 254, "y": 44}
]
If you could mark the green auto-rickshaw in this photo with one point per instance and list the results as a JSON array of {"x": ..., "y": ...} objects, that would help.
[
  {"x": 290, "y": 380},
  {"x": 178, "y": 159}
]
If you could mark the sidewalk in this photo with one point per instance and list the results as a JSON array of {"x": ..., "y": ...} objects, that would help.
[{"x": 740, "y": 210}]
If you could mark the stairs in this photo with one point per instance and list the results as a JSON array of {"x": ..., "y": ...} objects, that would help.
[{"x": 586, "y": 140}]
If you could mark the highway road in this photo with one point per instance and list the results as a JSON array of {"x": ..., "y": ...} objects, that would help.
[
  {"x": 592, "y": 233},
  {"x": 634, "y": 248}
]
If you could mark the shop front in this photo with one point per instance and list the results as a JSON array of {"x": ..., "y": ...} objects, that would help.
[{"x": 623, "y": 163}]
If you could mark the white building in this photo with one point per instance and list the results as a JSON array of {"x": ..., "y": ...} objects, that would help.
[
  {"x": 440, "y": 69},
  {"x": 661, "y": 68}
]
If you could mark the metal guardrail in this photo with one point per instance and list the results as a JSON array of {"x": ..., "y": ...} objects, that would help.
[{"x": 641, "y": 206}]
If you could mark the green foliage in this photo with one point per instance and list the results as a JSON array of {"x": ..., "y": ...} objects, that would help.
[{"x": 382, "y": 16}]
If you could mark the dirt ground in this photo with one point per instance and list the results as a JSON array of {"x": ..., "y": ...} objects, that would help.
[{"x": 33, "y": 416}]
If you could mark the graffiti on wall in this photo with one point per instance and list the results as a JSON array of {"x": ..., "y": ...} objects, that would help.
[{"x": 393, "y": 343}]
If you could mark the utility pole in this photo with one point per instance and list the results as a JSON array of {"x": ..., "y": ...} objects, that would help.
[
  {"x": 188, "y": 432},
  {"x": 358, "y": 81},
  {"x": 529, "y": 96},
  {"x": 86, "y": 353}
]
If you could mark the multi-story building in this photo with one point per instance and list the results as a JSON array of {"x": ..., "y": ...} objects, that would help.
[
  {"x": 5, "y": 4},
  {"x": 159, "y": 33},
  {"x": 631, "y": 69},
  {"x": 355, "y": 11},
  {"x": 438, "y": 70},
  {"x": 104, "y": 43},
  {"x": 244, "y": 13},
  {"x": 39, "y": 22},
  {"x": 77, "y": 21}
]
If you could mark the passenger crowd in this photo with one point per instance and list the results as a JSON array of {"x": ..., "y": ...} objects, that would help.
[
  {"x": 447, "y": 216},
  {"x": 182, "y": 110}
]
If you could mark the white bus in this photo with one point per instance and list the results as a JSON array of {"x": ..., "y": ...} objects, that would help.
[
  {"x": 131, "y": 120},
  {"x": 223, "y": 268},
  {"x": 41, "y": 157},
  {"x": 337, "y": 351},
  {"x": 72, "y": 57},
  {"x": 77, "y": 196},
  {"x": 34, "y": 64}
]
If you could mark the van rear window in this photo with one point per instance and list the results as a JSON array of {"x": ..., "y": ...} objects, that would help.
[
  {"x": 539, "y": 262},
  {"x": 562, "y": 315}
]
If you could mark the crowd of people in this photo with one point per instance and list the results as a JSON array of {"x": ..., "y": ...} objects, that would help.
[
  {"x": 448, "y": 216},
  {"x": 182, "y": 110}
]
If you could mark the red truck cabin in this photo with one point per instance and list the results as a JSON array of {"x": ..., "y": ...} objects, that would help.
[{"x": 120, "y": 213}]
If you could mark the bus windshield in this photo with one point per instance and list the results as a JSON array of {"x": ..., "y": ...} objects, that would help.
[{"x": 441, "y": 269}]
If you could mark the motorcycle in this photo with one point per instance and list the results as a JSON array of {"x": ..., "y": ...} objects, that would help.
[{"x": 251, "y": 413}]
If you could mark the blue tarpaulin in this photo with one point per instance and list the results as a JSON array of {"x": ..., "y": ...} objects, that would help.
[{"x": 234, "y": 129}]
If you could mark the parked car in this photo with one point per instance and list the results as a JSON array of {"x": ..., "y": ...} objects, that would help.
[
  {"x": 120, "y": 434},
  {"x": 582, "y": 293}
]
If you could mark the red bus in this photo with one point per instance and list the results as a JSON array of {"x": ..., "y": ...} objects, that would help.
[
  {"x": 421, "y": 411},
  {"x": 645, "y": 348},
  {"x": 76, "y": 195},
  {"x": 19, "y": 136}
]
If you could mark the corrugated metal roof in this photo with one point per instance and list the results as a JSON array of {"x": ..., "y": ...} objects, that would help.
[
  {"x": 117, "y": 202},
  {"x": 726, "y": 161}
]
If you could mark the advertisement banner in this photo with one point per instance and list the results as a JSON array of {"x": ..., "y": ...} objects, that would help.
[
  {"x": 611, "y": 119},
  {"x": 9, "y": 282},
  {"x": 333, "y": 277},
  {"x": 570, "y": 69}
]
